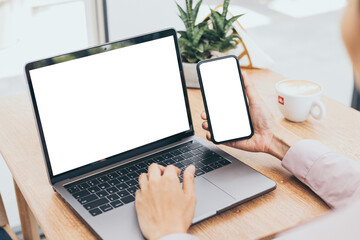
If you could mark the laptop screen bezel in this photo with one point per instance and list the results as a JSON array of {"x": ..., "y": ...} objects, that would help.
[{"x": 124, "y": 155}]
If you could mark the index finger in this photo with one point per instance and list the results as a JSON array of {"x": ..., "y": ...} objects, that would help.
[
  {"x": 154, "y": 171},
  {"x": 171, "y": 170}
]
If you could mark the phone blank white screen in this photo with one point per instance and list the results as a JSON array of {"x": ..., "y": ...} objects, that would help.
[
  {"x": 98, "y": 106},
  {"x": 225, "y": 99}
]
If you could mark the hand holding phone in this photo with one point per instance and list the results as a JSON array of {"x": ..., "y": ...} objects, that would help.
[{"x": 224, "y": 99}]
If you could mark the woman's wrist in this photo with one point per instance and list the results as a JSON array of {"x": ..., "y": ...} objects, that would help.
[{"x": 281, "y": 142}]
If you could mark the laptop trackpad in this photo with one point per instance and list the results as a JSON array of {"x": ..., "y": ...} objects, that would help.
[{"x": 210, "y": 199}]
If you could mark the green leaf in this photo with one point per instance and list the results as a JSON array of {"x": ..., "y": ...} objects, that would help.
[
  {"x": 196, "y": 11},
  {"x": 228, "y": 43},
  {"x": 199, "y": 34},
  {"x": 190, "y": 59},
  {"x": 225, "y": 9},
  {"x": 217, "y": 22},
  {"x": 199, "y": 56},
  {"x": 189, "y": 16},
  {"x": 183, "y": 34},
  {"x": 233, "y": 37},
  {"x": 231, "y": 21},
  {"x": 211, "y": 35},
  {"x": 183, "y": 17},
  {"x": 185, "y": 43}
]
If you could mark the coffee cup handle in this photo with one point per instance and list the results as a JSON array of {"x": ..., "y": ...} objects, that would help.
[{"x": 321, "y": 107}]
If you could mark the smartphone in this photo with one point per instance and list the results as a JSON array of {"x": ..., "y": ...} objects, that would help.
[{"x": 225, "y": 100}]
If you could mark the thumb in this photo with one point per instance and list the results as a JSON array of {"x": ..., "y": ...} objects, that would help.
[{"x": 188, "y": 180}]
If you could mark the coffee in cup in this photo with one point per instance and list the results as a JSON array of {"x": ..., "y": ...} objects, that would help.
[{"x": 297, "y": 99}]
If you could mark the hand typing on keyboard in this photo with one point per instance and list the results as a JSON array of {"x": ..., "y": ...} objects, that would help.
[{"x": 164, "y": 206}]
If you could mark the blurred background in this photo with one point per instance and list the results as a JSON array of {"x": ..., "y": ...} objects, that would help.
[{"x": 301, "y": 38}]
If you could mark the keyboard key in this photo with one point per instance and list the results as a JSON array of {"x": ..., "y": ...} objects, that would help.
[
  {"x": 178, "y": 158},
  {"x": 83, "y": 186},
  {"x": 106, "y": 207},
  {"x": 205, "y": 155},
  {"x": 103, "y": 179},
  {"x": 131, "y": 168},
  {"x": 178, "y": 165},
  {"x": 162, "y": 163},
  {"x": 112, "y": 175},
  {"x": 131, "y": 183},
  {"x": 93, "y": 182},
  {"x": 104, "y": 185},
  {"x": 122, "y": 186},
  {"x": 196, "y": 152},
  {"x": 141, "y": 165},
  {"x": 116, "y": 203},
  {"x": 132, "y": 190},
  {"x": 184, "y": 149},
  {"x": 143, "y": 170},
  {"x": 123, "y": 179},
  {"x": 199, "y": 172},
  {"x": 122, "y": 172},
  {"x": 210, "y": 160},
  {"x": 88, "y": 199},
  {"x": 167, "y": 155},
  {"x": 113, "y": 197},
  {"x": 113, "y": 182},
  {"x": 215, "y": 165},
  {"x": 169, "y": 161},
  {"x": 187, "y": 162},
  {"x": 73, "y": 189},
  {"x": 132, "y": 175},
  {"x": 207, "y": 169},
  {"x": 123, "y": 193},
  {"x": 81, "y": 194},
  {"x": 175, "y": 152},
  {"x": 224, "y": 162},
  {"x": 149, "y": 162},
  {"x": 187, "y": 155},
  {"x": 195, "y": 145},
  {"x": 95, "y": 212},
  {"x": 96, "y": 203},
  {"x": 112, "y": 190},
  {"x": 203, "y": 149},
  {"x": 128, "y": 199},
  {"x": 198, "y": 164},
  {"x": 94, "y": 189},
  {"x": 102, "y": 194},
  {"x": 158, "y": 159}
]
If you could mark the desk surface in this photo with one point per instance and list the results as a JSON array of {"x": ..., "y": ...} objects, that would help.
[{"x": 290, "y": 204}]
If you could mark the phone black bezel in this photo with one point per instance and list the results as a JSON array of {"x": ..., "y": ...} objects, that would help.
[{"x": 205, "y": 103}]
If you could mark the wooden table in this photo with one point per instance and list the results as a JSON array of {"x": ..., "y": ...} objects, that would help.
[{"x": 289, "y": 205}]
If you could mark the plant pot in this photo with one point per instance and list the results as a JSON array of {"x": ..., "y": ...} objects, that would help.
[{"x": 191, "y": 77}]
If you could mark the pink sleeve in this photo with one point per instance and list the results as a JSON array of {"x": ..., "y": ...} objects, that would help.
[{"x": 335, "y": 178}]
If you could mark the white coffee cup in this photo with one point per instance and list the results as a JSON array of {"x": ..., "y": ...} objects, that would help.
[{"x": 297, "y": 99}]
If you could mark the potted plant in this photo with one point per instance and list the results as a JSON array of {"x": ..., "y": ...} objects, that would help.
[{"x": 212, "y": 37}]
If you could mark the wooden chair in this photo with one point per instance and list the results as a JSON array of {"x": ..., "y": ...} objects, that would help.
[{"x": 4, "y": 224}]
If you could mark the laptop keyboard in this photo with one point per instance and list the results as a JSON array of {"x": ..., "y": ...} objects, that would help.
[{"x": 116, "y": 187}]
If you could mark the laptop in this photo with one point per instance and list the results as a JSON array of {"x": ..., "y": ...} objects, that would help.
[{"x": 104, "y": 114}]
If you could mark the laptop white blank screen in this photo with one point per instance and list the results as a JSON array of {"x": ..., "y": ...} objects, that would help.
[{"x": 101, "y": 105}]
